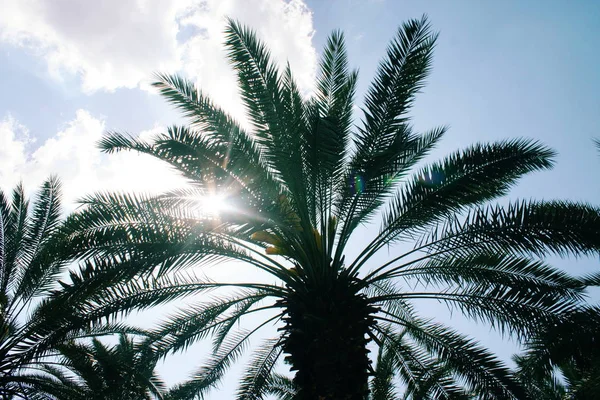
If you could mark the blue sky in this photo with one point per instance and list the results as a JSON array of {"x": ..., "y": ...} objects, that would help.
[{"x": 69, "y": 70}]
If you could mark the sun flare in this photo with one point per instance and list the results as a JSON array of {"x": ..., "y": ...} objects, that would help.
[{"x": 211, "y": 205}]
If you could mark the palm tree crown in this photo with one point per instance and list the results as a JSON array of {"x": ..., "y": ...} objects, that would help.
[
  {"x": 44, "y": 306},
  {"x": 28, "y": 268},
  {"x": 300, "y": 183},
  {"x": 125, "y": 371},
  {"x": 562, "y": 361},
  {"x": 37, "y": 314}
]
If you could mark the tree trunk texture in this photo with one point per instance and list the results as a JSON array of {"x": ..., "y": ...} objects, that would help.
[{"x": 325, "y": 339}]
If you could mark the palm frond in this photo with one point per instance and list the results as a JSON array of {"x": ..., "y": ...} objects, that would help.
[
  {"x": 56, "y": 317},
  {"x": 221, "y": 128},
  {"x": 197, "y": 322},
  {"x": 276, "y": 125},
  {"x": 424, "y": 376},
  {"x": 5, "y": 269},
  {"x": 214, "y": 166},
  {"x": 486, "y": 375},
  {"x": 570, "y": 349},
  {"x": 131, "y": 224},
  {"x": 330, "y": 118},
  {"x": 537, "y": 227},
  {"x": 16, "y": 223},
  {"x": 256, "y": 380},
  {"x": 512, "y": 293},
  {"x": 281, "y": 386},
  {"x": 482, "y": 268},
  {"x": 209, "y": 375},
  {"x": 399, "y": 78},
  {"x": 43, "y": 264},
  {"x": 40, "y": 386},
  {"x": 241, "y": 309},
  {"x": 382, "y": 384},
  {"x": 469, "y": 177},
  {"x": 385, "y": 145},
  {"x": 367, "y": 187}
]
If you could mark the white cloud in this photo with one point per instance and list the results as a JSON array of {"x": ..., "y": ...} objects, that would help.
[
  {"x": 72, "y": 155},
  {"x": 108, "y": 43},
  {"x": 285, "y": 26},
  {"x": 119, "y": 43},
  {"x": 14, "y": 140}
]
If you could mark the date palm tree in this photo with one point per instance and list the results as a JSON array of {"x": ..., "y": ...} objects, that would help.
[
  {"x": 562, "y": 361},
  {"x": 44, "y": 305},
  {"x": 299, "y": 185},
  {"x": 95, "y": 371},
  {"x": 29, "y": 266},
  {"x": 91, "y": 371}
]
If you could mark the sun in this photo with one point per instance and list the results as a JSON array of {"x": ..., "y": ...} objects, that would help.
[{"x": 211, "y": 205}]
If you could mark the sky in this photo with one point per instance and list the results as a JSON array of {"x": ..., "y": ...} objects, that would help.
[{"x": 71, "y": 70}]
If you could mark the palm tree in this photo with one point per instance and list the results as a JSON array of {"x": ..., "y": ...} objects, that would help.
[
  {"x": 300, "y": 184},
  {"x": 95, "y": 371},
  {"x": 43, "y": 305},
  {"x": 29, "y": 265},
  {"x": 562, "y": 361}
]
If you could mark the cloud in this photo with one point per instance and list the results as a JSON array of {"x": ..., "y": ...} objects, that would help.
[
  {"x": 285, "y": 26},
  {"x": 108, "y": 44},
  {"x": 72, "y": 155},
  {"x": 14, "y": 141},
  {"x": 111, "y": 44}
]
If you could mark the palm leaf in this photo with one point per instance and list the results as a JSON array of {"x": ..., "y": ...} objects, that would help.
[
  {"x": 538, "y": 227},
  {"x": 261, "y": 90},
  {"x": 257, "y": 375},
  {"x": 485, "y": 374}
]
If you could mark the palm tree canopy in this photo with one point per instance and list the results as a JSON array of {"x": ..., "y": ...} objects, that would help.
[
  {"x": 300, "y": 183},
  {"x": 562, "y": 361},
  {"x": 43, "y": 305},
  {"x": 92, "y": 371},
  {"x": 29, "y": 266}
]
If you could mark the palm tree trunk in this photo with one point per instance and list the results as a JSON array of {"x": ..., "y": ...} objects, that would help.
[{"x": 325, "y": 341}]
